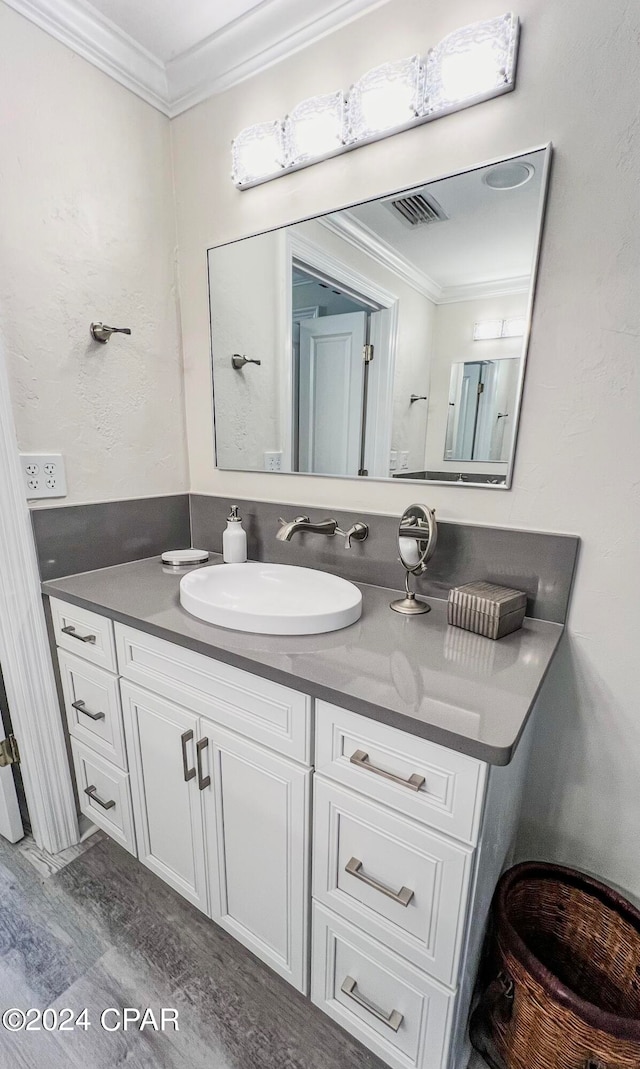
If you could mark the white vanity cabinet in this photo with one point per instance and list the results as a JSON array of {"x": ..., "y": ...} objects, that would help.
[
  {"x": 161, "y": 744},
  {"x": 376, "y": 907},
  {"x": 219, "y": 815},
  {"x": 257, "y": 820}
]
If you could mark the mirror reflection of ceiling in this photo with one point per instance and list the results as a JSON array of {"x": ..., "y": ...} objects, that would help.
[
  {"x": 382, "y": 347},
  {"x": 485, "y": 237}
]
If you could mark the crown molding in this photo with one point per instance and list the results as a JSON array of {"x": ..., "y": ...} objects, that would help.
[
  {"x": 102, "y": 43},
  {"x": 269, "y": 33},
  {"x": 476, "y": 291},
  {"x": 361, "y": 237}
]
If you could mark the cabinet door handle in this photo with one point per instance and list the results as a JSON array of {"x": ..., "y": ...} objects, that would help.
[
  {"x": 361, "y": 759},
  {"x": 392, "y": 1020},
  {"x": 188, "y": 773},
  {"x": 69, "y": 630},
  {"x": 403, "y": 896},
  {"x": 203, "y": 781},
  {"x": 91, "y": 791},
  {"x": 80, "y": 706}
]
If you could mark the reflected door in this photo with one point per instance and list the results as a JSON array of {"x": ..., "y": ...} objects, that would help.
[{"x": 331, "y": 386}]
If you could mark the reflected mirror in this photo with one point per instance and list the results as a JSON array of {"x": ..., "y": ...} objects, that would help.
[{"x": 386, "y": 340}]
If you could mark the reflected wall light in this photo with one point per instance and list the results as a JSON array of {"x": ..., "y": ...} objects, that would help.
[
  {"x": 489, "y": 329},
  {"x": 468, "y": 66}
]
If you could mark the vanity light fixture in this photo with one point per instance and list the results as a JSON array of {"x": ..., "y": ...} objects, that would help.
[
  {"x": 314, "y": 128},
  {"x": 468, "y": 66},
  {"x": 384, "y": 99},
  {"x": 491, "y": 329},
  {"x": 471, "y": 64},
  {"x": 258, "y": 153}
]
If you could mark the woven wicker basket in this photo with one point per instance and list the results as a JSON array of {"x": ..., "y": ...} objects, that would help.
[{"x": 565, "y": 961}]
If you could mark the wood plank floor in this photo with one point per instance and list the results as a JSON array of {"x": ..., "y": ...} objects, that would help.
[{"x": 102, "y": 931}]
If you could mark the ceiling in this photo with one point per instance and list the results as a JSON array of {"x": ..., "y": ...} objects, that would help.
[
  {"x": 486, "y": 244},
  {"x": 176, "y": 53}
]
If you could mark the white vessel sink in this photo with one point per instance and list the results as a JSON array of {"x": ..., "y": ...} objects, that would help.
[{"x": 270, "y": 599}]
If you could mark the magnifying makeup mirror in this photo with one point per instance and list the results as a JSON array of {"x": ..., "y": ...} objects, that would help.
[{"x": 417, "y": 540}]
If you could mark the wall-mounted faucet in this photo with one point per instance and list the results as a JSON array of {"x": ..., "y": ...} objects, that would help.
[
  {"x": 357, "y": 532},
  {"x": 102, "y": 333}
]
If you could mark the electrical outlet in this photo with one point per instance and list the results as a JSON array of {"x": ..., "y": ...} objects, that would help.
[
  {"x": 273, "y": 461},
  {"x": 404, "y": 460},
  {"x": 44, "y": 475},
  {"x": 393, "y": 460}
]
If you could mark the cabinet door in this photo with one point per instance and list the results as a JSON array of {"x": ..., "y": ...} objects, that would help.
[
  {"x": 257, "y": 829},
  {"x": 161, "y": 744}
]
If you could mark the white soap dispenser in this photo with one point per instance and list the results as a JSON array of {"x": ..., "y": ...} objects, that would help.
[{"x": 234, "y": 539}]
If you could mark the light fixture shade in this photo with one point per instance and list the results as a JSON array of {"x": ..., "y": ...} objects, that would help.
[
  {"x": 487, "y": 330},
  {"x": 514, "y": 328},
  {"x": 473, "y": 63},
  {"x": 386, "y": 97},
  {"x": 257, "y": 153},
  {"x": 314, "y": 128}
]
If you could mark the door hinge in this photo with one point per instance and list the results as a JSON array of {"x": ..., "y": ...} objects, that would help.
[
  {"x": 480, "y": 388},
  {"x": 367, "y": 353},
  {"x": 9, "y": 752}
]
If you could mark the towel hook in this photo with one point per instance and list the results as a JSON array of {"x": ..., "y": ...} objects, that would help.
[
  {"x": 238, "y": 361},
  {"x": 102, "y": 333}
]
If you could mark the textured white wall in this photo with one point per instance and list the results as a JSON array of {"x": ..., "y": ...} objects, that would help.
[
  {"x": 245, "y": 319},
  {"x": 578, "y": 454},
  {"x": 87, "y": 232}
]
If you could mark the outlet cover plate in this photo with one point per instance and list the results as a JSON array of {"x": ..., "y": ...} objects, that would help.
[{"x": 44, "y": 475}]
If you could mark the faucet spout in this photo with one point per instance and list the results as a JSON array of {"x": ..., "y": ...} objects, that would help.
[{"x": 303, "y": 523}]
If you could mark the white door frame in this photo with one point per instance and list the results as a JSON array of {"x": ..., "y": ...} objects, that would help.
[
  {"x": 380, "y": 389},
  {"x": 26, "y": 657}
]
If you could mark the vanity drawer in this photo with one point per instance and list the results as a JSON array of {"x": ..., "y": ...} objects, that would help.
[
  {"x": 400, "y": 882},
  {"x": 92, "y": 705},
  {"x": 84, "y": 633},
  {"x": 394, "y": 1009},
  {"x": 432, "y": 784},
  {"x": 266, "y": 712},
  {"x": 108, "y": 803}
]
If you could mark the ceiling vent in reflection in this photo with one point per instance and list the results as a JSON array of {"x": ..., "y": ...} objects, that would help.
[{"x": 417, "y": 210}]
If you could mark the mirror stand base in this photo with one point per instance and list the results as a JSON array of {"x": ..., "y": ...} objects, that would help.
[{"x": 410, "y": 606}]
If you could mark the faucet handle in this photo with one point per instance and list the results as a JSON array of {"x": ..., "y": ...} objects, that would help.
[
  {"x": 298, "y": 519},
  {"x": 357, "y": 531}
]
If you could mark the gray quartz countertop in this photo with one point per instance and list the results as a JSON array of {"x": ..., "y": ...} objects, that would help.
[{"x": 418, "y": 674}]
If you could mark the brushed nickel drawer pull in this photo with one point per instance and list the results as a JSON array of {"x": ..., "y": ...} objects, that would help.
[
  {"x": 69, "y": 630},
  {"x": 403, "y": 896},
  {"x": 393, "y": 1019},
  {"x": 91, "y": 791},
  {"x": 361, "y": 759},
  {"x": 188, "y": 773},
  {"x": 203, "y": 781},
  {"x": 80, "y": 706}
]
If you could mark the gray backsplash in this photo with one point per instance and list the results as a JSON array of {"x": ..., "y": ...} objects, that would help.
[
  {"x": 540, "y": 564},
  {"x": 78, "y": 538}
]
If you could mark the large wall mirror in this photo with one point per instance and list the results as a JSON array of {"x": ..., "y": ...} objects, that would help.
[{"x": 386, "y": 340}]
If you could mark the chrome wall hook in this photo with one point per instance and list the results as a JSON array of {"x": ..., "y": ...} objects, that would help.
[
  {"x": 238, "y": 362},
  {"x": 102, "y": 333}
]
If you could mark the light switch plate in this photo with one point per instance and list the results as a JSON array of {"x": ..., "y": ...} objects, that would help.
[{"x": 44, "y": 475}]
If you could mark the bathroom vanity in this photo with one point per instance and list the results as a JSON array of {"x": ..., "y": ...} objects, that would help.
[{"x": 342, "y": 804}]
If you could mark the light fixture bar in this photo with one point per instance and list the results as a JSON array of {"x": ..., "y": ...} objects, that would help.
[
  {"x": 470, "y": 65},
  {"x": 492, "y": 329}
]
